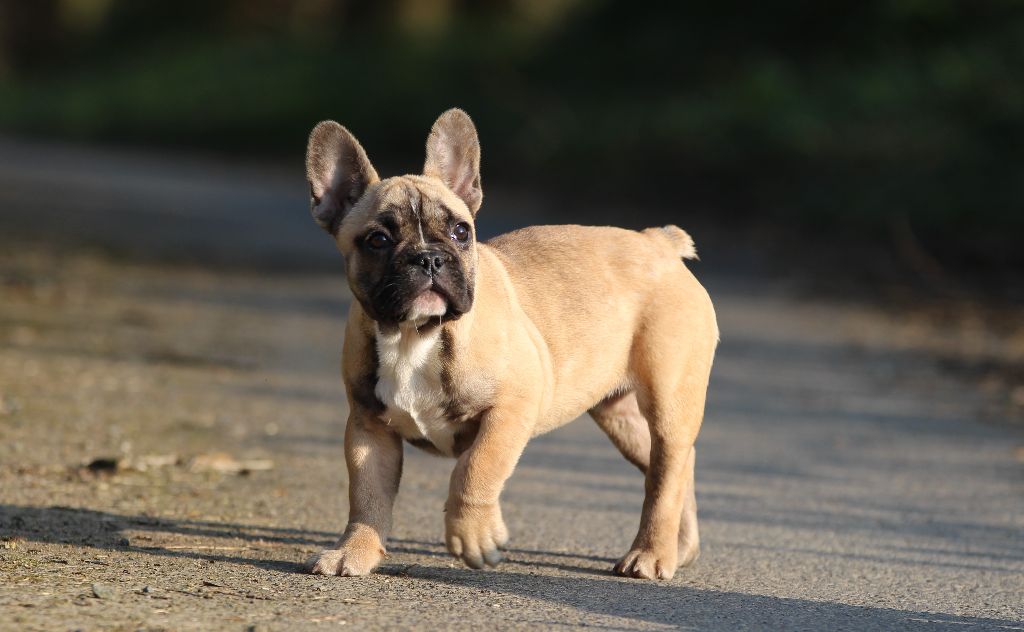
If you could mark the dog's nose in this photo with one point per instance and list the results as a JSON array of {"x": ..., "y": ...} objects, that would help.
[{"x": 430, "y": 261}]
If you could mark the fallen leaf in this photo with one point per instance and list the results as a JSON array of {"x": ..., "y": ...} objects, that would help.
[
  {"x": 227, "y": 464},
  {"x": 152, "y": 461},
  {"x": 200, "y": 547}
]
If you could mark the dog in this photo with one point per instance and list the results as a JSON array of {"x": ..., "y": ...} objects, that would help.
[{"x": 468, "y": 349}]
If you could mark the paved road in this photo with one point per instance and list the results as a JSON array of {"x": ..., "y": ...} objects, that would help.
[{"x": 843, "y": 482}]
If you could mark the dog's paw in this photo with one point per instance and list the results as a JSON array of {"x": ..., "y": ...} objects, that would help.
[
  {"x": 475, "y": 533},
  {"x": 644, "y": 563},
  {"x": 347, "y": 561}
]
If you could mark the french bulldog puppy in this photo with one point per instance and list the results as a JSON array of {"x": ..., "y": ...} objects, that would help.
[{"x": 468, "y": 349}]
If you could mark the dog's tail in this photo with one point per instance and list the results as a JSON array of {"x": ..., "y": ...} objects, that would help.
[{"x": 681, "y": 240}]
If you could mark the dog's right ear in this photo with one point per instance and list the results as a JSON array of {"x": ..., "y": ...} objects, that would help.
[
  {"x": 338, "y": 172},
  {"x": 453, "y": 157}
]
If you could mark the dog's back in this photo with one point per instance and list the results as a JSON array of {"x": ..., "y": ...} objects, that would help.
[
  {"x": 601, "y": 299},
  {"x": 547, "y": 261}
]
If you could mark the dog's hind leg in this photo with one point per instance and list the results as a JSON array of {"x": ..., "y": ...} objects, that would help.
[
  {"x": 669, "y": 375},
  {"x": 620, "y": 418}
]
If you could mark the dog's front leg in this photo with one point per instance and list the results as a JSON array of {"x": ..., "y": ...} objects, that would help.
[
  {"x": 474, "y": 529},
  {"x": 374, "y": 457}
]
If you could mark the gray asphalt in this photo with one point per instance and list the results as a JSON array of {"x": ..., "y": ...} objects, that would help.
[{"x": 161, "y": 304}]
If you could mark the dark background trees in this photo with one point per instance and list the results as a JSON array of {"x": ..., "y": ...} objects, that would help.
[{"x": 900, "y": 116}]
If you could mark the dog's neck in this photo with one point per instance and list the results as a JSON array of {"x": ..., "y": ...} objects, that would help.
[
  {"x": 406, "y": 349},
  {"x": 411, "y": 345}
]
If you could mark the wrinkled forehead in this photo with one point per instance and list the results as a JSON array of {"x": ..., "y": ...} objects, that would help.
[{"x": 408, "y": 203}]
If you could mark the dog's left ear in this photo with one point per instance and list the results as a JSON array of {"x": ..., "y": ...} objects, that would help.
[
  {"x": 453, "y": 156},
  {"x": 338, "y": 172}
]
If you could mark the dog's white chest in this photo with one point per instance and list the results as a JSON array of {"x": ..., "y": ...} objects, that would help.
[{"x": 409, "y": 385}]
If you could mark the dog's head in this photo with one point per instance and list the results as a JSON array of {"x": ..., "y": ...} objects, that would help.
[{"x": 409, "y": 241}]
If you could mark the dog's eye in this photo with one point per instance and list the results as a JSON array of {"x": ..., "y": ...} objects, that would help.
[
  {"x": 378, "y": 240},
  {"x": 461, "y": 232}
]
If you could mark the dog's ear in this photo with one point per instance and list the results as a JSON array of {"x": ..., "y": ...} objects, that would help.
[
  {"x": 338, "y": 172},
  {"x": 453, "y": 156}
]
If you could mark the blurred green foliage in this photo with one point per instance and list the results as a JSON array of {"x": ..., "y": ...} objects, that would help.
[{"x": 831, "y": 113}]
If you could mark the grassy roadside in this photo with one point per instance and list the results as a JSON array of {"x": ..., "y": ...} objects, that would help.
[{"x": 877, "y": 117}]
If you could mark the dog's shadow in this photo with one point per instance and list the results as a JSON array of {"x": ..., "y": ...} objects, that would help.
[
  {"x": 109, "y": 531},
  {"x": 511, "y": 556}
]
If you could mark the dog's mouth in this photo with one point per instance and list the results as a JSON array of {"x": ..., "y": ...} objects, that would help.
[
  {"x": 433, "y": 302},
  {"x": 429, "y": 303}
]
